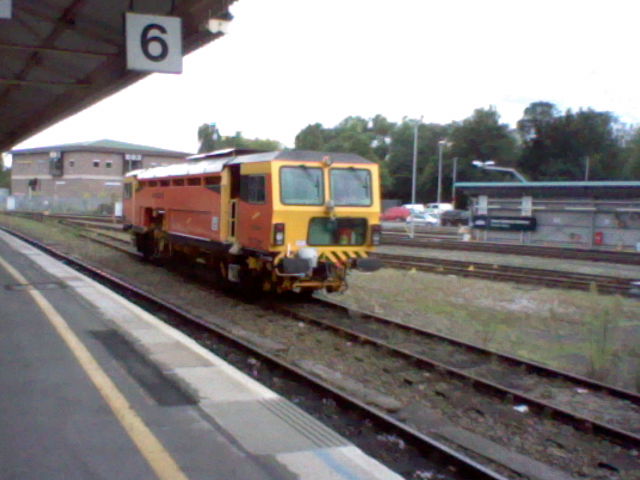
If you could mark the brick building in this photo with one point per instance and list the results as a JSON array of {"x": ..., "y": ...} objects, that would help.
[{"x": 81, "y": 177}]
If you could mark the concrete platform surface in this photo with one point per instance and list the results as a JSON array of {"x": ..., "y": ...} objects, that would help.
[{"x": 93, "y": 387}]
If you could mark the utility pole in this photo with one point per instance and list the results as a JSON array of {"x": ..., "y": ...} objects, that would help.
[
  {"x": 415, "y": 160},
  {"x": 586, "y": 169},
  {"x": 453, "y": 181},
  {"x": 441, "y": 145}
]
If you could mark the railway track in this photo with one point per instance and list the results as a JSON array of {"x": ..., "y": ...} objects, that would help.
[
  {"x": 580, "y": 402},
  {"x": 429, "y": 451},
  {"x": 567, "y": 253},
  {"x": 490, "y": 271},
  {"x": 536, "y": 276}
]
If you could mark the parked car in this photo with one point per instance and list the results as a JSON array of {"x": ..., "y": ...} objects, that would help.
[
  {"x": 454, "y": 218},
  {"x": 438, "y": 208},
  {"x": 424, "y": 218},
  {"x": 415, "y": 207},
  {"x": 395, "y": 214}
]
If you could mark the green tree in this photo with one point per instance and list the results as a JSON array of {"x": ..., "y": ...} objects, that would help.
[
  {"x": 483, "y": 137},
  {"x": 367, "y": 138},
  {"x": 238, "y": 141},
  {"x": 312, "y": 137},
  {"x": 210, "y": 140},
  {"x": 535, "y": 129},
  {"x": 556, "y": 147},
  {"x": 479, "y": 137},
  {"x": 631, "y": 156},
  {"x": 207, "y": 137},
  {"x": 400, "y": 162}
]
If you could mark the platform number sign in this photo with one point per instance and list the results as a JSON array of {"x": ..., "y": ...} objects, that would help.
[
  {"x": 154, "y": 43},
  {"x": 5, "y": 8}
]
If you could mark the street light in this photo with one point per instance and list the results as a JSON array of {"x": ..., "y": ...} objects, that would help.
[
  {"x": 415, "y": 160},
  {"x": 441, "y": 145},
  {"x": 453, "y": 181},
  {"x": 491, "y": 165}
]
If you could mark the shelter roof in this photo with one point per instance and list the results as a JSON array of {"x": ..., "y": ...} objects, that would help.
[
  {"x": 594, "y": 189},
  {"x": 60, "y": 56}
]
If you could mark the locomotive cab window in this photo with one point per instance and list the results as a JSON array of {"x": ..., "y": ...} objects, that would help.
[
  {"x": 351, "y": 186},
  {"x": 253, "y": 188},
  {"x": 301, "y": 186}
]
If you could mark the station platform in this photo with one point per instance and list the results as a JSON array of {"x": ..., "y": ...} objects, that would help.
[{"x": 93, "y": 387}]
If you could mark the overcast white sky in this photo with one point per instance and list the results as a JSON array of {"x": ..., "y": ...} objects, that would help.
[{"x": 288, "y": 63}]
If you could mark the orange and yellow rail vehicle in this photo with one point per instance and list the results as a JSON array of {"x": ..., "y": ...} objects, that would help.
[{"x": 280, "y": 221}]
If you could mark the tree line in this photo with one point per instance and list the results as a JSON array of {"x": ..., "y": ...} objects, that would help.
[{"x": 546, "y": 145}]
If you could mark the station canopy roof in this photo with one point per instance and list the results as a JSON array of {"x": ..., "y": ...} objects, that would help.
[
  {"x": 60, "y": 56},
  {"x": 595, "y": 189}
]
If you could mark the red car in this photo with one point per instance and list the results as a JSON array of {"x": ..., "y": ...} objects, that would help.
[{"x": 399, "y": 214}]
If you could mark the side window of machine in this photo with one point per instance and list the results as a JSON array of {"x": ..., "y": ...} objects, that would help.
[{"x": 253, "y": 188}]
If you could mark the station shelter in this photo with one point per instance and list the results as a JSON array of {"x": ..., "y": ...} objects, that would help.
[{"x": 593, "y": 214}]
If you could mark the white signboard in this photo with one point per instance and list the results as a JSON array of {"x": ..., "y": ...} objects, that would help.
[
  {"x": 5, "y": 8},
  {"x": 483, "y": 204},
  {"x": 154, "y": 43},
  {"x": 527, "y": 206}
]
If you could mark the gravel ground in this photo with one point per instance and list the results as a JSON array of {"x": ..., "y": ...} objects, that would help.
[{"x": 578, "y": 330}]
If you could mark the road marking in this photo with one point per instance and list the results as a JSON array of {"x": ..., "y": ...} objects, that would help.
[{"x": 159, "y": 459}]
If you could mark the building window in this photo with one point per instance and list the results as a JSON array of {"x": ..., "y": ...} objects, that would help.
[
  {"x": 96, "y": 163},
  {"x": 56, "y": 164},
  {"x": 193, "y": 182},
  {"x": 72, "y": 163},
  {"x": 132, "y": 161},
  {"x": 108, "y": 164}
]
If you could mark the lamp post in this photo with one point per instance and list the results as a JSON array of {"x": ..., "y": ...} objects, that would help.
[
  {"x": 453, "y": 181},
  {"x": 441, "y": 145},
  {"x": 415, "y": 160},
  {"x": 586, "y": 169},
  {"x": 491, "y": 165}
]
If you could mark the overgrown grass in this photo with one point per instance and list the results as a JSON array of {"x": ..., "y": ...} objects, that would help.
[{"x": 585, "y": 332}]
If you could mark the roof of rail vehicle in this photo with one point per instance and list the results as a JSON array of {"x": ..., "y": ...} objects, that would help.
[{"x": 217, "y": 163}]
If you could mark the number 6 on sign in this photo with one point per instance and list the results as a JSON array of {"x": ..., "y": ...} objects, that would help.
[{"x": 154, "y": 43}]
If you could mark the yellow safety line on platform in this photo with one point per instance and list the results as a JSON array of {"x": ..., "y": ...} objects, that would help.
[{"x": 159, "y": 459}]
